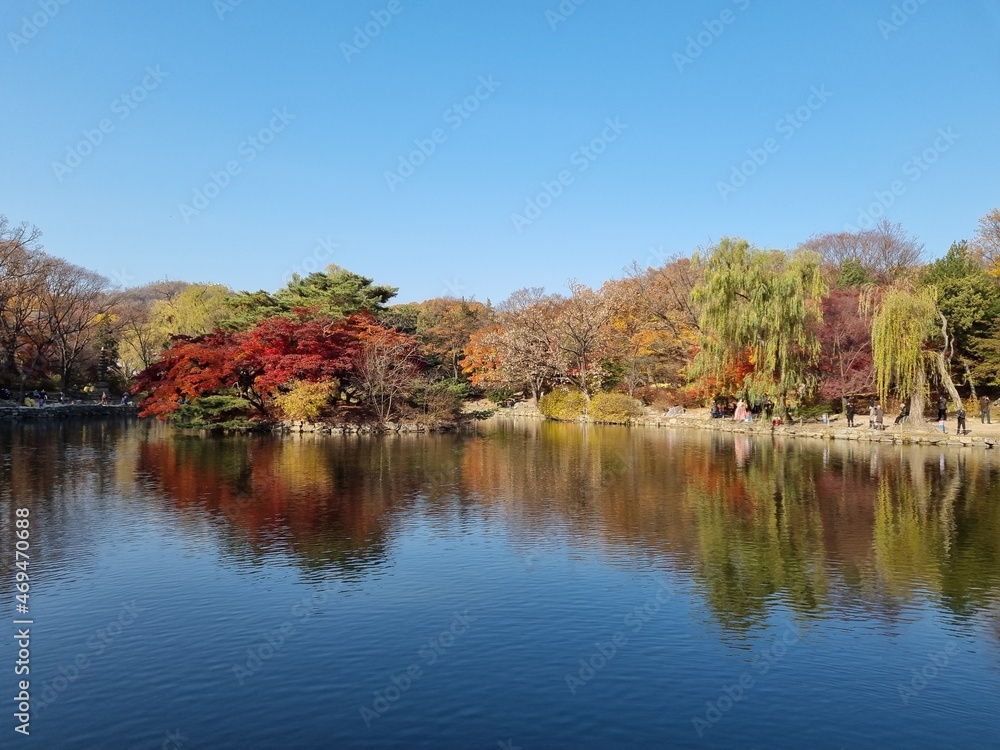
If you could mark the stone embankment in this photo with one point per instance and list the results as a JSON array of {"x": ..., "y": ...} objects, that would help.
[
  {"x": 364, "y": 429},
  {"x": 898, "y": 434},
  {"x": 12, "y": 413},
  {"x": 892, "y": 434}
]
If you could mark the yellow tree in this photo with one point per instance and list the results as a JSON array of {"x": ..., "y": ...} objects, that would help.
[
  {"x": 906, "y": 321},
  {"x": 764, "y": 306}
]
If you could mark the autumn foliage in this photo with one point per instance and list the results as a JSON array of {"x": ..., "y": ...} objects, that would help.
[{"x": 268, "y": 361}]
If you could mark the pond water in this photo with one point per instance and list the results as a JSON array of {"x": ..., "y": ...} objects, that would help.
[{"x": 531, "y": 585}]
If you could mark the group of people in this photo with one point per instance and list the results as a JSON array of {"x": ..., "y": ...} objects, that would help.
[
  {"x": 876, "y": 414},
  {"x": 746, "y": 410},
  {"x": 40, "y": 397}
]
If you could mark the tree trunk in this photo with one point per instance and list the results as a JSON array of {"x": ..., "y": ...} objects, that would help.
[
  {"x": 943, "y": 361},
  {"x": 781, "y": 406},
  {"x": 946, "y": 381},
  {"x": 968, "y": 378},
  {"x": 918, "y": 399}
]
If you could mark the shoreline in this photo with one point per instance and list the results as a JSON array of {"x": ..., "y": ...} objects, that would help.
[
  {"x": 13, "y": 413},
  {"x": 892, "y": 434},
  {"x": 694, "y": 419}
]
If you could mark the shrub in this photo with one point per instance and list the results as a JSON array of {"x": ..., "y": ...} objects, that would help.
[
  {"x": 305, "y": 402},
  {"x": 664, "y": 398},
  {"x": 220, "y": 410},
  {"x": 499, "y": 395},
  {"x": 437, "y": 401},
  {"x": 658, "y": 398},
  {"x": 614, "y": 407},
  {"x": 562, "y": 403}
]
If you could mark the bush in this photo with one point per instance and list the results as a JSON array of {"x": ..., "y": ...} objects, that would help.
[
  {"x": 305, "y": 402},
  {"x": 499, "y": 395},
  {"x": 438, "y": 401},
  {"x": 220, "y": 410},
  {"x": 658, "y": 398},
  {"x": 665, "y": 398},
  {"x": 614, "y": 407},
  {"x": 562, "y": 403}
]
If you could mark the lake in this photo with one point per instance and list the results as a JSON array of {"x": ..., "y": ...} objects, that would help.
[{"x": 530, "y": 585}]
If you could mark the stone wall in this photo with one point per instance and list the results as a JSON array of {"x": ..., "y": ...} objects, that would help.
[
  {"x": 64, "y": 411},
  {"x": 891, "y": 434},
  {"x": 365, "y": 429}
]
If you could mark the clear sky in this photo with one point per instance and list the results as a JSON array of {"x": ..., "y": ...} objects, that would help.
[{"x": 562, "y": 140}]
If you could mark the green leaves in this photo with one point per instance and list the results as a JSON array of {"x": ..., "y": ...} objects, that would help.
[
  {"x": 760, "y": 307},
  {"x": 903, "y": 319}
]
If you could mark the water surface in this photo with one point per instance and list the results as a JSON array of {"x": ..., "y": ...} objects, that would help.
[{"x": 547, "y": 586}]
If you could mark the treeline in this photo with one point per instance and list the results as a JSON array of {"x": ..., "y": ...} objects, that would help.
[
  {"x": 849, "y": 314},
  {"x": 846, "y": 314},
  {"x": 55, "y": 317}
]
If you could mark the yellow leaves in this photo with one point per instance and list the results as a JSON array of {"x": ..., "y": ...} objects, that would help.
[{"x": 305, "y": 402}]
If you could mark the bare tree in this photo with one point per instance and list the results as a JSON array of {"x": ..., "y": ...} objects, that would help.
[
  {"x": 77, "y": 303},
  {"x": 665, "y": 293},
  {"x": 885, "y": 253},
  {"x": 986, "y": 243},
  {"x": 25, "y": 333},
  {"x": 386, "y": 364},
  {"x": 582, "y": 331},
  {"x": 526, "y": 343}
]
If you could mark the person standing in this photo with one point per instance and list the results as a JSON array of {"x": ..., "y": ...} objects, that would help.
[
  {"x": 871, "y": 415},
  {"x": 960, "y": 416},
  {"x": 942, "y": 409},
  {"x": 850, "y": 412},
  {"x": 741, "y": 412},
  {"x": 879, "y": 417},
  {"x": 984, "y": 410}
]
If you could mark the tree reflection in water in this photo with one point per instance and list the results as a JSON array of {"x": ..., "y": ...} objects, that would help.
[{"x": 754, "y": 524}]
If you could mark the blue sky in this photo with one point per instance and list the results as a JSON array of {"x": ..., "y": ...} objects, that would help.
[{"x": 476, "y": 147}]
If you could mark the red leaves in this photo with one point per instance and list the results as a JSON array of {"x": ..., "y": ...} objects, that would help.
[
  {"x": 284, "y": 349},
  {"x": 189, "y": 368},
  {"x": 256, "y": 363},
  {"x": 845, "y": 365}
]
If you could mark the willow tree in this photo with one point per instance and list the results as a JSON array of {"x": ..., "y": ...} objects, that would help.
[
  {"x": 761, "y": 307},
  {"x": 906, "y": 325}
]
